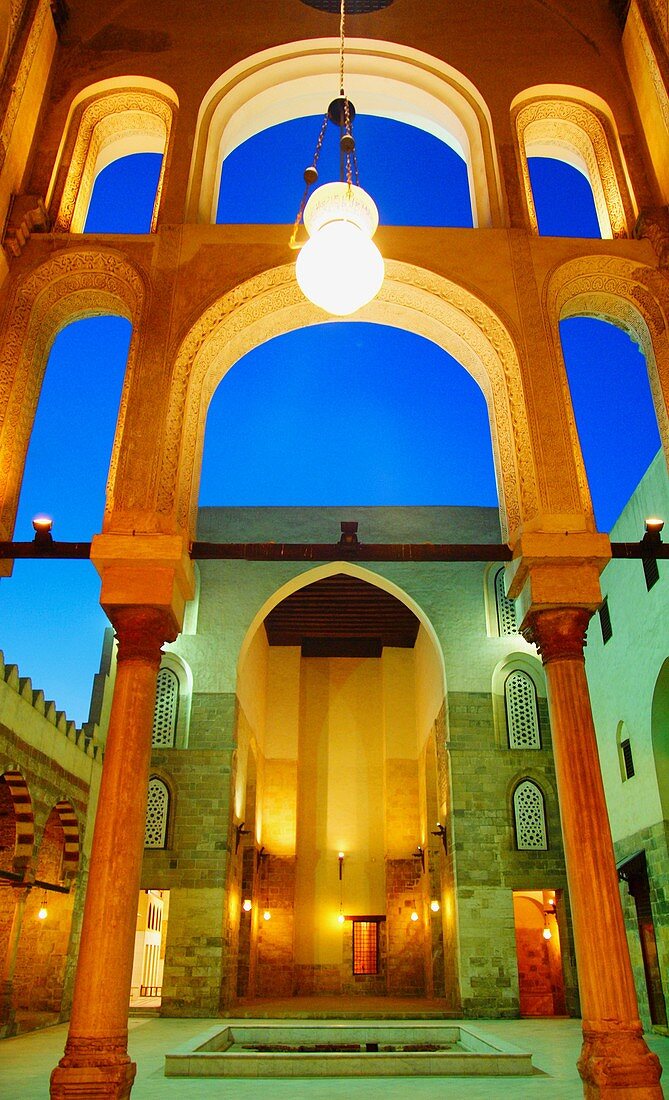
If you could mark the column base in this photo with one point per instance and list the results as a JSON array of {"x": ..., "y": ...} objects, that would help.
[
  {"x": 616, "y": 1064},
  {"x": 89, "y": 1069}
]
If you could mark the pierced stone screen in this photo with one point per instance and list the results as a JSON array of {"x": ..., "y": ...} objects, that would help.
[
  {"x": 166, "y": 709},
  {"x": 522, "y": 717},
  {"x": 157, "y": 808},
  {"x": 528, "y": 805}
]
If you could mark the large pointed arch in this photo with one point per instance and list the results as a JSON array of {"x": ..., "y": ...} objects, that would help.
[
  {"x": 72, "y": 285},
  {"x": 332, "y": 569},
  {"x": 383, "y": 78},
  {"x": 411, "y": 298}
]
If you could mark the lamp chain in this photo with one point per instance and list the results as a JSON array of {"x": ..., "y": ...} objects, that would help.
[
  {"x": 310, "y": 177},
  {"x": 342, "y": 42}
]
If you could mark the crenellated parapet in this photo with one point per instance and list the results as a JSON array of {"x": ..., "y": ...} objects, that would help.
[{"x": 17, "y": 691}]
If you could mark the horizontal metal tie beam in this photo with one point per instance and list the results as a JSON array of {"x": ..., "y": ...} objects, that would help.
[{"x": 315, "y": 551}]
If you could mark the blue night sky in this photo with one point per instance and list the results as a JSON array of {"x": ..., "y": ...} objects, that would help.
[{"x": 341, "y": 413}]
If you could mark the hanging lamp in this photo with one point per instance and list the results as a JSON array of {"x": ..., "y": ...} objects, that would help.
[{"x": 339, "y": 268}]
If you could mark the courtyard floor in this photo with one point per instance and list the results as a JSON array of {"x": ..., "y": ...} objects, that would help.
[{"x": 26, "y": 1063}]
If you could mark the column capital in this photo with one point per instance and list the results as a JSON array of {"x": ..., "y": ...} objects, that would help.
[
  {"x": 141, "y": 632},
  {"x": 150, "y": 571},
  {"x": 557, "y": 632}
]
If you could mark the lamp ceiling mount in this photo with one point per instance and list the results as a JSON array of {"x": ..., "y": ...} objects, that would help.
[{"x": 353, "y": 7}]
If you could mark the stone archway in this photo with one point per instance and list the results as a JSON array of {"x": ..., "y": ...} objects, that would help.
[
  {"x": 340, "y": 765},
  {"x": 573, "y": 125},
  {"x": 384, "y": 78},
  {"x": 411, "y": 298},
  {"x": 627, "y": 294},
  {"x": 74, "y": 284}
]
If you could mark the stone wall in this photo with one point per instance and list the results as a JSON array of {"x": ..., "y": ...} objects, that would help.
[{"x": 488, "y": 867}]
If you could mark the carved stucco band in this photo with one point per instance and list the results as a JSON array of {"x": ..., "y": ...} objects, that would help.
[
  {"x": 107, "y": 118},
  {"x": 570, "y": 125},
  {"x": 272, "y": 304},
  {"x": 627, "y": 294},
  {"x": 69, "y": 286}
]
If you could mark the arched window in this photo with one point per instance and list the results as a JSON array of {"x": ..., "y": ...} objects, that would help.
[
  {"x": 522, "y": 715},
  {"x": 166, "y": 710},
  {"x": 530, "y": 817},
  {"x": 506, "y": 608},
  {"x": 157, "y": 814}
]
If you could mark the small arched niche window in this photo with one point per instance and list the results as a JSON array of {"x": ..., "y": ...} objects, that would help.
[
  {"x": 582, "y": 136},
  {"x": 529, "y": 813},
  {"x": 507, "y": 624},
  {"x": 522, "y": 712},
  {"x": 157, "y": 814},
  {"x": 166, "y": 711}
]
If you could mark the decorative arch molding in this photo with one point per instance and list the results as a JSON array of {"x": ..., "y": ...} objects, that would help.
[
  {"x": 74, "y": 284},
  {"x": 331, "y": 569},
  {"x": 108, "y": 121},
  {"x": 411, "y": 298},
  {"x": 72, "y": 846},
  {"x": 383, "y": 78},
  {"x": 632, "y": 296},
  {"x": 24, "y": 818},
  {"x": 575, "y": 126}
]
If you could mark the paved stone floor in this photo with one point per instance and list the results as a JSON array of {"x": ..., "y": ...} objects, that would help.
[{"x": 26, "y": 1062}]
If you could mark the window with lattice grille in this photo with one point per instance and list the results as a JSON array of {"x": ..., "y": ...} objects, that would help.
[
  {"x": 166, "y": 709},
  {"x": 506, "y": 608},
  {"x": 522, "y": 714},
  {"x": 605, "y": 621},
  {"x": 157, "y": 810},
  {"x": 365, "y": 947},
  {"x": 530, "y": 815},
  {"x": 628, "y": 759}
]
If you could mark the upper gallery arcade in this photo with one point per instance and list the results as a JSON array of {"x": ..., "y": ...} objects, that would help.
[{"x": 84, "y": 86}]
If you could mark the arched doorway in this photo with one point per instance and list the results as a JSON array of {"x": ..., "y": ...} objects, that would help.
[{"x": 340, "y": 689}]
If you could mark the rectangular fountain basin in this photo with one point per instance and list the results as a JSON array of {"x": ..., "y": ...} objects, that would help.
[{"x": 344, "y": 1049}]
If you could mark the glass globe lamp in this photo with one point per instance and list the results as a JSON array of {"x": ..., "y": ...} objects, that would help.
[{"x": 340, "y": 268}]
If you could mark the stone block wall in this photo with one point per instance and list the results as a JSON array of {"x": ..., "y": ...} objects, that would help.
[
  {"x": 275, "y": 968},
  {"x": 654, "y": 841},
  {"x": 200, "y": 968},
  {"x": 406, "y": 939},
  {"x": 488, "y": 867}
]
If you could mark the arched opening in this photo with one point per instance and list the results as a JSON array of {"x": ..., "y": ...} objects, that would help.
[
  {"x": 386, "y": 80},
  {"x": 613, "y": 408},
  {"x": 108, "y": 122},
  {"x": 47, "y": 922},
  {"x": 43, "y": 601},
  {"x": 360, "y": 408},
  {"x": 537, "y": 917},
  {"x": 413, "y": 176},
  {"x": 124, "y": 195},
  {"x": 563, "y": 197},
  {"x": 660, "y": 735},
  {"x": 340, "y": 684},
  {"x": 575, "y": 127}
]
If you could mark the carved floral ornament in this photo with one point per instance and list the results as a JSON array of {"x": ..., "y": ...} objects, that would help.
[
  {"x": 411, "y": 298},
  {"x": 73, "y": 284},
  {"x": 106, "y": 119},
  {"x": 569, "y": 125},
  {"x": 627, "y": 294}
]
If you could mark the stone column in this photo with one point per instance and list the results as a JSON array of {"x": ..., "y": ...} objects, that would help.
[
  {"x": 7, "y": 995},
  {"x": 96, "y": 1061},
  {"x": 615, "y": 1061}
]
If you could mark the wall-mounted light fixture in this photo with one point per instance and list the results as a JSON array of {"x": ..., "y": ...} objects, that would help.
[
  {"x": 420, "y": 854},
  {"x": 43, "y": 911},
  {"x": 240, "y": 831},
  {"x": 247, "y": 905},
  {"x": 435, "y": 906},
  {"x": 339, "y": 268},
  {"x": 441, "y": 832}
]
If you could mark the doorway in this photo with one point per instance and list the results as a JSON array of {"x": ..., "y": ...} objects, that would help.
[{"x": 540, "y": 976}]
